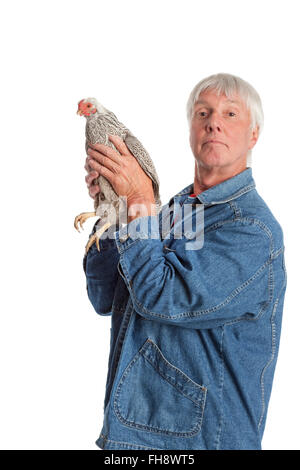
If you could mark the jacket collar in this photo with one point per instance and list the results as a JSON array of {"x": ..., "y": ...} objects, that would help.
[{"x": 222, "y": 192}]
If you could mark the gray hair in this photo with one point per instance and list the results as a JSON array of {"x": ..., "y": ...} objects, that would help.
[{"x": 229, "y": 85}]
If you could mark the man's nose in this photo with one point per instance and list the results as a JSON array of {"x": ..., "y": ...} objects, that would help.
[{"x": 213, "y": 123}]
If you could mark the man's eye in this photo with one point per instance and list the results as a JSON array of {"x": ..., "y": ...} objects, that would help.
[
  {"x": 231, "y": 113},
  {"x": 201, "y": 113}
]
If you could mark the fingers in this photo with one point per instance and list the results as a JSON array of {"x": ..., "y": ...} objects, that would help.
[
  {"x": 90, "y": 177},
  {"x": 119, "y": 144},
  {"x": 87, "y": 165},
  {"x": 99, "y": 162},
  {"x": 94, "y": 190},
  {"x": 100, "y": 151}
]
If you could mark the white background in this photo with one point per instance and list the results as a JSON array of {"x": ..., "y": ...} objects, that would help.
[{"x": 140, "y": 59}]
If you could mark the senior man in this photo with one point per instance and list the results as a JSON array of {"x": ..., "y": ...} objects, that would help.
[{"x": 194, "y": 332}]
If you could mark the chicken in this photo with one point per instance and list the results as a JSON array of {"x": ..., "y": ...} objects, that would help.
[{"x": 100, "y": 122}]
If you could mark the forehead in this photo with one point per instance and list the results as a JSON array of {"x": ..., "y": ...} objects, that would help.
[{"x": 211, "y": 97}]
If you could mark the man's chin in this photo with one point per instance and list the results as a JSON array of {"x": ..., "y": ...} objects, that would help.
[{"x": 212, "y": 161}]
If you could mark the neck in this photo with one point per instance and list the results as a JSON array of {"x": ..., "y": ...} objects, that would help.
[{"x": 206, "y": 178}]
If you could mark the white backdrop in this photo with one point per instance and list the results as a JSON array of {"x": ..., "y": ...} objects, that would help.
[{"x": 140, "y": 59}]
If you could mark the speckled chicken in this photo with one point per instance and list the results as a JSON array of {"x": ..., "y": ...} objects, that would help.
[{"x": 100, "y": 122}]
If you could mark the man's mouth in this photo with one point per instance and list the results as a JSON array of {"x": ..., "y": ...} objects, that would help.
[{"x": 213, "y": 142}]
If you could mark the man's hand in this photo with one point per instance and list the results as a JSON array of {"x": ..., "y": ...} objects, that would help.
[
  {"x": 122, "y": 171},
  {"x": 124, "y": 174}
]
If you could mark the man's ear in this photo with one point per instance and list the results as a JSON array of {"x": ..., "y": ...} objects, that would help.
[{"x": 254, "y": 137}]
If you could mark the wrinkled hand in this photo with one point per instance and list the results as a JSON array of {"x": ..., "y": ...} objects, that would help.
[{"x": 122, "y": 171}]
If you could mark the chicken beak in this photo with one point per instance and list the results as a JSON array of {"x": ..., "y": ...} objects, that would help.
[{"x": 79, "y": 112}]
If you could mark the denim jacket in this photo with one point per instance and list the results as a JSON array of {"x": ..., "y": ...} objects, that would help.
[{"x": 194, "y": 332}]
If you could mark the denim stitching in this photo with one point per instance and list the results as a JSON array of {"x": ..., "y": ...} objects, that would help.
[
  {"x": 236, "y": 210},
  {"x": 131, "y": 424},
  {"x": 270, "y": 295},
  {"x": 199, "y": 411},
  {"x": 273, "y": 353},
  {"x": 170, "y": 380},
  {"x": 277, "y": 252},
  {"x": 235, "y": 195},
  {"x": 219, "y": 431},
  {"x": 262, "y": 385},
  {"x": 250, "y": 221},
  {"x": 122, "y": 246},
  {"x": 124, "y": 444},
  {"x": 273, "y": 350},
  {"x": 266, "y": 304},
  {"x": 178, "y": 371},
  {"x": 196, "y": 314},
  {"x": 119, "y": 309},
  {"x": 230, "y": 297},
  {"x": 199, "y": 407}
]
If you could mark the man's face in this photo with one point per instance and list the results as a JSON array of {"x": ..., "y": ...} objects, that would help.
[{"x": 220, "y": 133}]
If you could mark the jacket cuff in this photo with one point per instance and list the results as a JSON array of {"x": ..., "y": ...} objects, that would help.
[{"x": 141, "y": 228}]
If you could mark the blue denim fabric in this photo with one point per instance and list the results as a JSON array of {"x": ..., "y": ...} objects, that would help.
[{"x": 194, "y": 333}]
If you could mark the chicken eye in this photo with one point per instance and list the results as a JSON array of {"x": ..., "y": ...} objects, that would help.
[{"x": 88, "y": 105}]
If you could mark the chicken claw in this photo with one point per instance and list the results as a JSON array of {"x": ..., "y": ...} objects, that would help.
[
  {"x": 81, "y": 218},
  {"x": 92, "y": 239},
  {"x": 95, "y": 238}
]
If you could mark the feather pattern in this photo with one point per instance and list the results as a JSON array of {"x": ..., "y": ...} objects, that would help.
[{"x": 98, "y": 126}]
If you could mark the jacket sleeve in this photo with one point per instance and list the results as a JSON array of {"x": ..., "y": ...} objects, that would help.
[
  {"x": 226, "y": 279},
  {"x": 101, "y": 270}
]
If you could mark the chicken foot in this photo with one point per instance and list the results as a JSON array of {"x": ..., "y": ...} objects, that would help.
[
  {"x": 95, "y": 237},
  {"x": 81, "y": 218}
]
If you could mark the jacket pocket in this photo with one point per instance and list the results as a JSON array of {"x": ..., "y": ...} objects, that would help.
[{"x": 154, "y": 395}]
